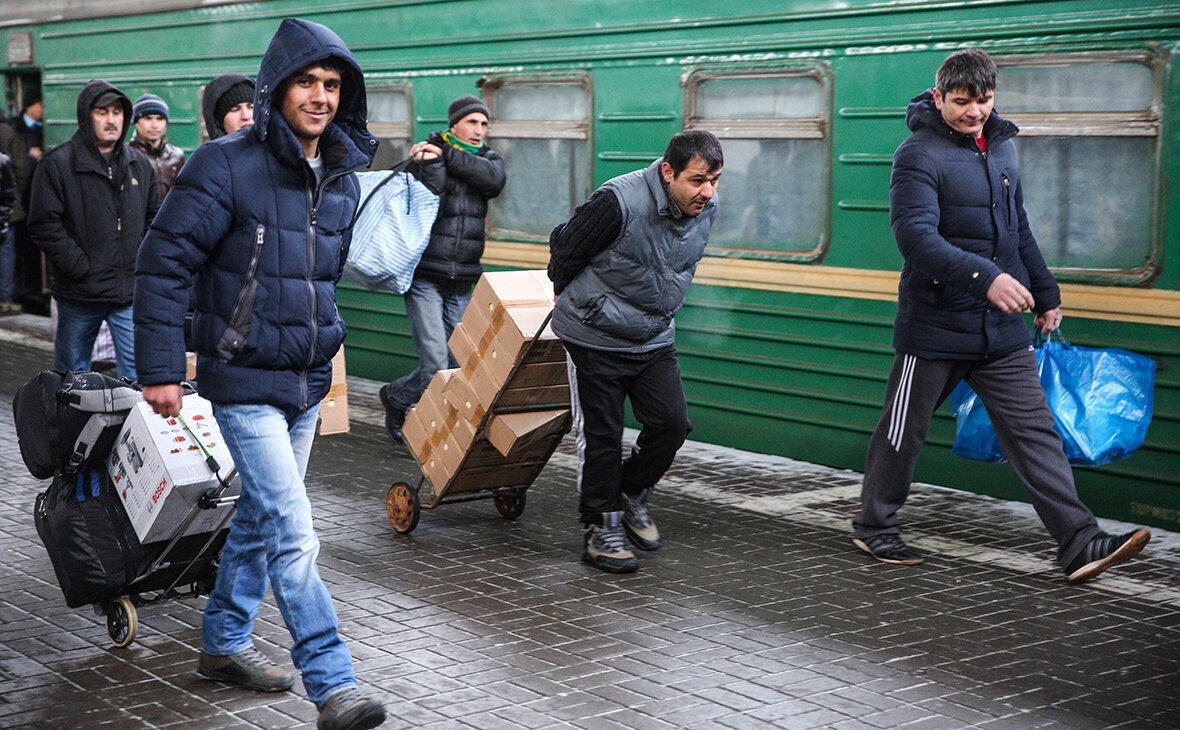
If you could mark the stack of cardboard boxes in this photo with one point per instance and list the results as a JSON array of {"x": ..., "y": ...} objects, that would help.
[{"x": 495, "y": 420}]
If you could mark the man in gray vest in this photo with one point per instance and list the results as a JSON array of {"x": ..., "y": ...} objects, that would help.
[{"x": 621, "y": 267}]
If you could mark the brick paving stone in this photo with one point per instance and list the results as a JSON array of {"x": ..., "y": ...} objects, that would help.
[{"x": 758, "y": 612}]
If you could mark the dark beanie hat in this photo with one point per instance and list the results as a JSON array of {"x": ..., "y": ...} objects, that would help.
[
  {"x": 465, "y": 105},
  {"x": 32, "y": 98},
  {"x": 149, "y": 104},
  {"x": 239, "y": 93}
]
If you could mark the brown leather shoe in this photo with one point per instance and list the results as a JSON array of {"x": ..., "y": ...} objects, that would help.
[{"x": 248, "y": 668}]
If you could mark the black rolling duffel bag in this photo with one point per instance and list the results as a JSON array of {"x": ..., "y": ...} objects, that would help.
[{"x": 95, "y": 553}]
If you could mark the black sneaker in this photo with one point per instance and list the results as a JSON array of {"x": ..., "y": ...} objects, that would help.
[
  {"x": 641, "y": 530},
  {"x": 394, "y": 417},
  {"x": 605, "y": 546},
  {"x": 248, "y": 668},
  {"x": 889, "y": 548},
  {"x": 348, "y": 709},
  {"x": 1106, "y": 551}
]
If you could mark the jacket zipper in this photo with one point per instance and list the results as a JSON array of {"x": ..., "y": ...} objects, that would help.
[
  {"x": 313, "y": 200},
  {"x": 251, "y": 269}
]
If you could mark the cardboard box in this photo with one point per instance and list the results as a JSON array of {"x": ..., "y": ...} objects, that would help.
[
  {"x": 159, "y": 471},
  {"x": 416, "y": 433},
  {"x": 190, "y": 366},
  {"x": 512, "y": 288},
  {"x": 512, "y": 432},
  {"x": 334, "y": 406},
  {"x": 461, "y": 395},
  {"x": 463, "y": 347}
]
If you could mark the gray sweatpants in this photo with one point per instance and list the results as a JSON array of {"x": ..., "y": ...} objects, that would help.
[{"x": 1011, "y": 391}]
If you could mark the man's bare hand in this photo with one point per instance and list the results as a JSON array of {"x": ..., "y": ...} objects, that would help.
[
  {"x": 425, "y": 151},
  {"x": 1049, "y": 321},
  {"x": 164, "y": 399},
  {"x": 1009, "y": 295}
]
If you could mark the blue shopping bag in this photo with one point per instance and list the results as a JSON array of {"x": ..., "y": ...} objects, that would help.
[{"x": 1101, "y": 400}]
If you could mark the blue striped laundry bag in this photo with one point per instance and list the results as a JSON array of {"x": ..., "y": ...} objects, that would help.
[{"x": 390, "y": 231}]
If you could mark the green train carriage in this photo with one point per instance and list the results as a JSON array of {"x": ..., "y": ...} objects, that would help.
[{"x": 785, "y": 338}]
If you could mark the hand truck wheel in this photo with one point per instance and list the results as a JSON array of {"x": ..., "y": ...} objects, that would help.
[
  {"x": 402, "y": 505},
  {"x": 510, "y": 504},
  {"x": 122, "y": 621}
]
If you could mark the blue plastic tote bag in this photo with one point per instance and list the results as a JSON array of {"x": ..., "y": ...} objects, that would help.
[
  {"x": 390, "y": 231},
  {"x": 1101, "y": 400}
]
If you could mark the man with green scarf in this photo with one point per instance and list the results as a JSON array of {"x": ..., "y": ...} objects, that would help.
[{"x": 450, "y": 265}]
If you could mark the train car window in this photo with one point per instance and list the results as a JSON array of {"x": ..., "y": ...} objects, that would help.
[
  {"x": 775, "y": 189},
  {"x": 389, "y": 121},
  {"x": 541, "y": 127},
  {"x": 1089, "y": 154}
]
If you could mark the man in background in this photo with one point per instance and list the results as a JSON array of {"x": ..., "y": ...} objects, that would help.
[
  {"x": 150, "y": 116},
  {"x": 450, "y": 266},
  {"x": 92, "y": 201},
  {"x": 228, "y": 104}
]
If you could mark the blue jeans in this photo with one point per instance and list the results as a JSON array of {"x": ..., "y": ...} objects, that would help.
[
  {"x": 271, "y": 537},
  {"x": 8, "y": 265},
  {"x": 433, "y": 313},
  {"x": 77, "y": 327}
]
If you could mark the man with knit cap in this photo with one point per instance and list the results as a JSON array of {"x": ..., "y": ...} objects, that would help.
[
  {"x": 450, "y": 265},
  {"x": 149, "y": 114},
  {"x": 92, "y": 201},
  {"x": 228, "y": 104}
]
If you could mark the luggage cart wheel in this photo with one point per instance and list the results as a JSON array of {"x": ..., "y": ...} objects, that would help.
[
  {"x": 510, "y": 504},
  {"x": 402, "y": 505},
  {"x": 122, "y": 621}
]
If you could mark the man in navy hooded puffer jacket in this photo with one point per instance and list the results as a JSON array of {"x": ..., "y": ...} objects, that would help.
[
  {"x": 972, "y": 267},
  {"x": 261, "y": 219}
]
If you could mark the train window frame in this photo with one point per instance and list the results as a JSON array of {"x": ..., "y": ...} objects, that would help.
[
  {"x": 540, "y": 129},
  {"x": 818, "y": 127},
  {"x": 1062, "y": 124},
  {"x": 389, "y": 130}
]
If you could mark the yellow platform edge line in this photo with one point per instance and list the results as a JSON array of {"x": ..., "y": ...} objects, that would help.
[{"x": 1114, "y": 303}]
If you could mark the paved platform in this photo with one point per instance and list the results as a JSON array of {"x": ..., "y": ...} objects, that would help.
[{"x": 757, "y": 613}]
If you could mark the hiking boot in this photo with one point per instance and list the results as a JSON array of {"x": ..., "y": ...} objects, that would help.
[
  {"x": 637, "y": 522},
  {"x": 395, "y": 417},
  {"x": 889, "y": 548},
  {"x": 348, "y": 709},
  {"x": 1106, "y": 551},
  {"x": 248, "y": 668},
  {"x": 606, "y": 547}
]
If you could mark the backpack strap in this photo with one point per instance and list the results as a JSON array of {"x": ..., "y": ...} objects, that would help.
[
  {"x": 84, "y": 444},
  {"x": 102, "y": 400}
]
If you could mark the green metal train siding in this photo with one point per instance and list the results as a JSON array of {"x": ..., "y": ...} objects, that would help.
[{"x": 796, "y": 374}]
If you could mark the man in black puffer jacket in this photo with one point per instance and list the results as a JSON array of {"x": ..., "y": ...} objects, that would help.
[
  {"x": 262, "y": 218},
  {"x": 92, "y": 199},
  {"x": 972, "y": 267},
  {"x": 450, "y": 265}
]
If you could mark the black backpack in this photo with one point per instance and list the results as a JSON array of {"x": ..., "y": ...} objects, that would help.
[
  {"x": 68, "y": 421},
  {"x": 95, "y": 554}
]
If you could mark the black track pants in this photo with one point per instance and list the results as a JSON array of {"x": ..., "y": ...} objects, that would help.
[
  {"x": 1012, "y": 393},
  {"x": 600, "y": 381}
]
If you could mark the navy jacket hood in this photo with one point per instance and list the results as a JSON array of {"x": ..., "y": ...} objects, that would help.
[
  {"x": 296, "y": 44},
  {"x": 922, "y": 113},
  {"x": 86, "y": 97}
]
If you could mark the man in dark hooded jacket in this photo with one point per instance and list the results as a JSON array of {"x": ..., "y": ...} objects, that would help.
[
  {"x": 450, "y": 266},
  {"x": 261, "y": 218},
  {"x": 228, "y": 104},
  {"x": 92, "y": 200},
  {"x": 971, "y": 268}
]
